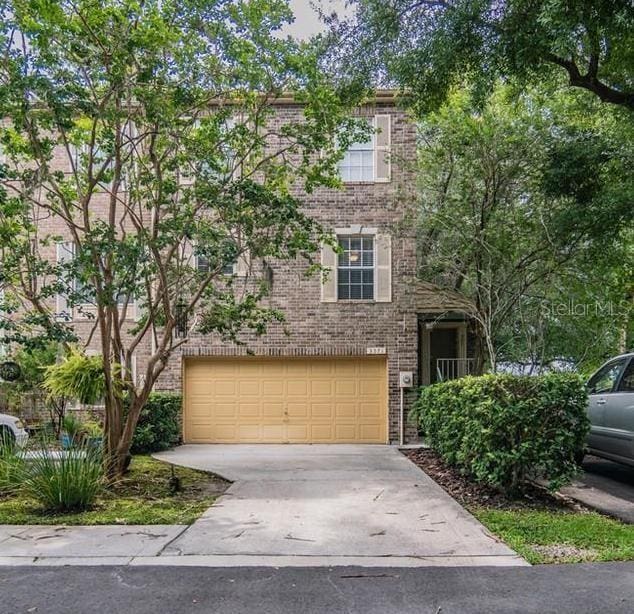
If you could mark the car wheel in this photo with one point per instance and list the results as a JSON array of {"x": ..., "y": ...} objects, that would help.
[{"x": 7, "y": 438}]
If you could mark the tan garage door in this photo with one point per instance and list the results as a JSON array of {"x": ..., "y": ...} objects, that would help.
[{"x": 279, "y": 400}]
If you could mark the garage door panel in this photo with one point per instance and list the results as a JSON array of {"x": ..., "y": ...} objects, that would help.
[
  {"x": 297, "y": 387},
  {"x": 298, "y": 433},
  {"x": 322, "y": 432},
  {"x": 370, "y": 410},
  {"x": 272, "y": 410},
  {"x": 249, "y": 388},
  {"x": 369, "y": 432},
  {"x": 248, "y": 410},
  {"x": 273, "y": 388},
  {"x": 346, "y": 432},
  {"x": 225, "y": 387},
  {"x": 346, "y": 387},
  {"x": 226, "y": 410},
  {"x": 346, "y": 410},
  {"x": 369, "y": 388},
  {"x": 298, "y": 410},
  {"x": 296, "y": 400},
  {"x": 322, "y": 388},
  {"x": 273, "y": 432},
  {"x": 322, "y": 411},
  {"x": 248, "y": 432}
]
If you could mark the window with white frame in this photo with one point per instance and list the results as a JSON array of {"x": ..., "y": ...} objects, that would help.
[
  {"x": 358, "y": 162},
  {"x": 203, "y": 265},
  {"x": 369, "y": 160},
  {"x": 355, "y": 268}
]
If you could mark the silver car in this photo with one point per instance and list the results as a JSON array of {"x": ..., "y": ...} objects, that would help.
[{"x": 611, "y": 410}]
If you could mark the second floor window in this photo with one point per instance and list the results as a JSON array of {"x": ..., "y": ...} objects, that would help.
[
  {"x": 202, "y": 264},
  {"x": 358, "y": 162},
  {"x": 355, "y": 268},
  {"x": 369, "y": 161}
]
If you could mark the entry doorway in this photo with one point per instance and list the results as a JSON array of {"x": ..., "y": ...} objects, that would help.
[{"x": 443, "y": 347}]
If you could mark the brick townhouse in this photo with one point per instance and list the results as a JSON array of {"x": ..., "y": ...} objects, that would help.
[{"x": 356, "y": 344}]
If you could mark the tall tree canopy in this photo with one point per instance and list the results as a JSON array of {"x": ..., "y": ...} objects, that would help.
[
  {"x": 139, "y": 142},
  {"x": 526, "y": 209},
  {"x": 430, "y": 45}
]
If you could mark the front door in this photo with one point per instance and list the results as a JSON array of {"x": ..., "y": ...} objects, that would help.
[{"x": 443, "y": 345}]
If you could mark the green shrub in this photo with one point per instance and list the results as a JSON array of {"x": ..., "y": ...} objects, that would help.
[
  {"x": 71, "y": 425},
  {"x": 503, "y": 429},
  {"x": 10, "y": 465},
  {"x": 159, "y": 424},
  {"x": 78, "y": 377},
  {"x": 65, "y": 482}
]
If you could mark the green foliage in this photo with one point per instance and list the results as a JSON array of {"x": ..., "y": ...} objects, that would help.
[
  {"x": 503, "y": 430},
  {"x": 67, "y": 482},
  {"x": 78, "y": 377},
  {"x": 141, "y": 496},
  {"x": 165, "y": 114},
  {"x": 10, "y": 463},
  {"x": 72, "y": 426},
  {"x": 92, "y": 429},
  {"x": 526, "y": 207},
  {"x": 428, "y": 47},
  {"x": 159, "y": 424}
]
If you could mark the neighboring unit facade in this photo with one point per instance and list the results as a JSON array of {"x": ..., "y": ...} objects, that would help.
[{"x": 336, "y": 370}]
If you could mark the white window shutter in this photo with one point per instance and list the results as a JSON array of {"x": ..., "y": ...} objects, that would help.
[
  {"x": 383, "y": 144},
  {"x": 329, "y": 277},
  {"x": 65, "y": 253},
  {"x": 383, "y": 269}
]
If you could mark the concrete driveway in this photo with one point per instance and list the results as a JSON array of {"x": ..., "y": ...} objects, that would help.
[
  {"x": 329, "y": 505},
  {"x": 605, "y": 486}
]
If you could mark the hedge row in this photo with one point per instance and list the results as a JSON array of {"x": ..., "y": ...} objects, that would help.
[
  {"x": 159, "y": 424},
  {"x": 503, "y": 430}
]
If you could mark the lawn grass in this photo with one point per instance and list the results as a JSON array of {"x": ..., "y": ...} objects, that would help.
[
  {"x": 539, "y": 527},
  {"x": 142, "y": 496},
  {"x": 560, "y": 536}
]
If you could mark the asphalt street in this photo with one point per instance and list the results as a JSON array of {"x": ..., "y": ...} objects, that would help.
[{"x": 584, "y": 588}]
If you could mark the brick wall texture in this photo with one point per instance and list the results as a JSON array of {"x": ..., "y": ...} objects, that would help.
[{"x": 338, "y": 328}]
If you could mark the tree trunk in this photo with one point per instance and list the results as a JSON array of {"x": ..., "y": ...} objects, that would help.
[
  {"x": 115, "y": 462},
  {"x": 480, "y": 350}
]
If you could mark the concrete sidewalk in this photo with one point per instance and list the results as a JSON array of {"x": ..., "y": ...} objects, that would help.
[{"x": 99, "y": 545}]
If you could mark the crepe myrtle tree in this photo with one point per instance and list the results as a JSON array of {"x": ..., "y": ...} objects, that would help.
[{"x": 141, "y": 134}]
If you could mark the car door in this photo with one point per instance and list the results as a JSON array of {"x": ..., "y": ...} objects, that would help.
[
  {"x": 600, "y": 388},
  {"x": 619, "y": 414}
]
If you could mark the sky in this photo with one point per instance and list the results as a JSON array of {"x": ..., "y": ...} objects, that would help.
[{"x": 306, "y": 22}]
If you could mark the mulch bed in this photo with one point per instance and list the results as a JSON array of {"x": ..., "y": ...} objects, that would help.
[{"x": 471, "y": 494}]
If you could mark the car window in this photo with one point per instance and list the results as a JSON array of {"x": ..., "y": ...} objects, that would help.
[
  {"x": 603, "y": 381},
  {"x": 627, "y": 381}
]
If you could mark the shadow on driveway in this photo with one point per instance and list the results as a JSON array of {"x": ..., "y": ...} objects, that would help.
[{"x": 605, "y": 486}]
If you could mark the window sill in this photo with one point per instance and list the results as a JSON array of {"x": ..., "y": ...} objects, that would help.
[
  {"x": 355, "y": 301},
  {"x": 362, "y": 183}
]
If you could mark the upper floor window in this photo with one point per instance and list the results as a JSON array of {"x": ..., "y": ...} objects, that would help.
[
  {"x": 355, "y": 268},
  {"x": 203, "y": 265},
  {"x": 358, "y": 162},
  {"x": 369, "y": 161}
]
